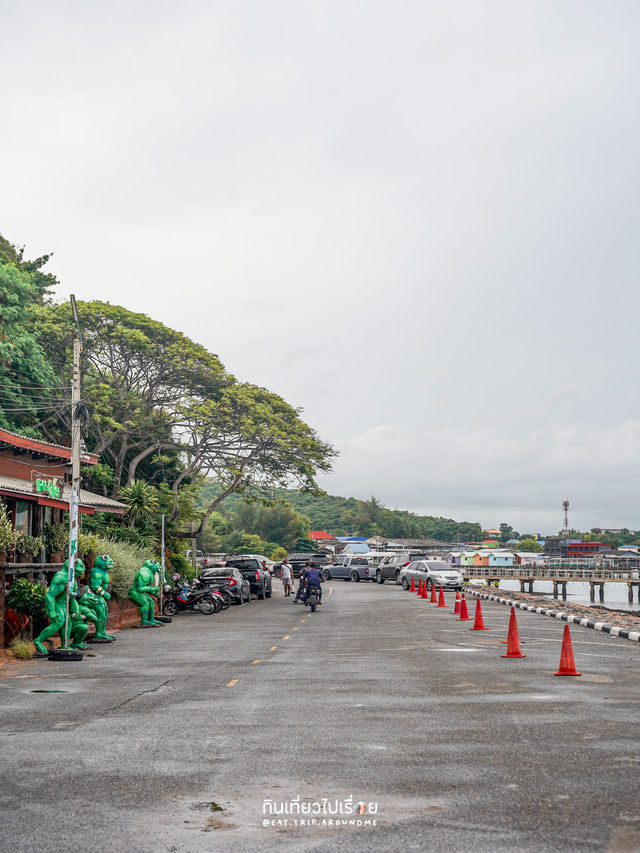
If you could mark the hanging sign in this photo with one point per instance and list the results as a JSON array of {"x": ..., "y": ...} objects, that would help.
[{"x": 45, "y": 485}]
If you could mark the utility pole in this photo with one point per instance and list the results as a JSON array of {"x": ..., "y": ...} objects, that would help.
[{"x": 75, "y": 467}]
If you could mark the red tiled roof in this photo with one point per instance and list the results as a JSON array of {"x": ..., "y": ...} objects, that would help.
[
  {"x": 319, "y": 534},
  {"x": 46, "y": 447}
]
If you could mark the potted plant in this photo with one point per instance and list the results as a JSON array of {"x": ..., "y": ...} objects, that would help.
[
  {"x": 88, "y": 547},
  {"x": 56, "y": 538},
  {"x": 27, "y": 547},
  {"x": 26, "y": 598},
  {"x": 7, "y": 534}
]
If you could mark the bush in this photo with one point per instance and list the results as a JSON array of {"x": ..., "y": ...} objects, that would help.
[
  {"x": 22, "y": 649},
  {"x": 7, "y": 534},
  {"x": 30, "y": 545},
  {"x": 279, "y": 554},
  {"x": 56, "y": 537},
  {"x": 87, "y": 543},
  {"x": 27, "y": 597},
  {"x": 127, "y": 559}
]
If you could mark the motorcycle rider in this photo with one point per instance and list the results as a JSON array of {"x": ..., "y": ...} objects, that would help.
[
  {"x": 313, "y": 578},
  {"x": 302, "y": 582}
]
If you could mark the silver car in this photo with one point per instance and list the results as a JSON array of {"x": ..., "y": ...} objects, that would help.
[{"x": 435, "y": 572}]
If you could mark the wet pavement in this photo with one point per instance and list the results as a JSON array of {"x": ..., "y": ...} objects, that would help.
[{"x": 172, "y": 739}]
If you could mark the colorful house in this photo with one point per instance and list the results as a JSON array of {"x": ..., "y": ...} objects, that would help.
[
  {"x": 501, "y": 558},
  {"x": 467, "y": 558},
  {"x": 481, "y": 558}
]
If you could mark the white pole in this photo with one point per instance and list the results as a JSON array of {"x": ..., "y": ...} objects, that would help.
[
  {"x": 75, "y": 488},
  {"x": 162, "y": 575}
]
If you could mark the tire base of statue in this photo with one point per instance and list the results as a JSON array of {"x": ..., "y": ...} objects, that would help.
[
  {"x": 98, "y": 640},
  {"x": 165, "y": 619},
  {"x": 65, "y": 655}
]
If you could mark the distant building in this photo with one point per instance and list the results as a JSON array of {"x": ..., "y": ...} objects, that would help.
[
  {"x": 574, "y": 548},
  {"x": 320, "y": 536}
]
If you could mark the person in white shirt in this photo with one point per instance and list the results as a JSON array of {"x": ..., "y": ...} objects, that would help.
[{"x": 286, "y": 576}]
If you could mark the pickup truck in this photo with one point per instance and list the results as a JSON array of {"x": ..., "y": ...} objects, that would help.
[{"x": 351, "y": 568}]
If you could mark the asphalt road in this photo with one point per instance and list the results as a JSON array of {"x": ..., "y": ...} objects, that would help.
[{"x": 170, "y": 740}]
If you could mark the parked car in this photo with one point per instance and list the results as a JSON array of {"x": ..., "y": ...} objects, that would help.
[
  {"x": 299, "y": 560},
  {"x": 260, "y": 557},
  {"x": 389, "y": 568},
  {"x": 435, "y": 572},
  {"x": 228, "y": 579},
  {"x": 201, "y": 562},
  {"x": 351, "y": 568},
  {"x": 251, "y": 568}
]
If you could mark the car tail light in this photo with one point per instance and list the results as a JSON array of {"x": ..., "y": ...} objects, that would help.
[
  {"x": 257, "y": 575},
  {"x": 233, "y": 582},
  {"x": 366, "y": 571}
]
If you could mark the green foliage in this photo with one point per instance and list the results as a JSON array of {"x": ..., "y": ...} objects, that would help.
[
  {"x": 348, "y": 516},
  {"x": 27, "y": 381},
  {"x": 279, "y": 554},
  {"x": 127, "y": 559},
  {"x": 22, "y": 649},
  {"x": 142, "y": 501},
  {"x": 87, "y": 543},
  {"x": 26, "y": 596},
  {"x": 56, "y": 537},
  {"x": 530, "y": 545},
  {"x": 30, "y": 545},
  {"x": 7, "y": 533}
]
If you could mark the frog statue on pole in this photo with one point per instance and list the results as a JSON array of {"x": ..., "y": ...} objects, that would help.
[
  {"x": 143, "y": 592},
  {"x": 55, "y": 604}
]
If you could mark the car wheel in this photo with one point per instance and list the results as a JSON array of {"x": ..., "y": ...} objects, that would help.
[
  {"x": 405, "y": 584},
  {"x": 379, "y": 577},
  {"x": 261, "y": 593},
  {"x": 326, "y": 574},
  {"x": 398, "y": 576},
  {"x": 429, "y": 584},
  {"x": 355, "y": 577},
  {"x": 268, "y": 594}
]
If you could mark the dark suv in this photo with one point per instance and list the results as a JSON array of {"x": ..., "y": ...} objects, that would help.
[
  {"x": 259, "y": 580},
  {"x": 298, "y": 562},
  {"x": 390, "y": 567}
]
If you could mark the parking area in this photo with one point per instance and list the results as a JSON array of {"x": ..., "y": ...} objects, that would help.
[{"x": 177, "y": 736}]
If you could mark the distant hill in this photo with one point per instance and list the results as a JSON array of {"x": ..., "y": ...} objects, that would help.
[{"x": 352, "y": 517}]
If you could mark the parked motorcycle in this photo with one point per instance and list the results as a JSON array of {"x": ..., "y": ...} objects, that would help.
[{"x": 196, "y": 596}]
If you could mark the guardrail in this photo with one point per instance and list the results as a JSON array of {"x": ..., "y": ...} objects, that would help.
[{"x": 527, "y": 575}]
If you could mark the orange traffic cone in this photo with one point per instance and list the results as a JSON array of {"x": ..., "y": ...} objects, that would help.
[
  {"x": 456, "y": 606},
  {"x": 513, "y": 640},
  {"x": 441, "y": 601},
  {"x": 425, "y": 594},
  {"x": 464, "y": 613},
  {"x": 413, "y": 586},
  {"x": 433, "y": 598},
  {"x": 478, "y": 624},
  {"x": 419, "y": 591},
  {"x": 567, "y": 664}
]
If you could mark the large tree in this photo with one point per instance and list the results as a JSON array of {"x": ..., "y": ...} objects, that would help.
[
  {"x": 29, "y": 393},
  {"x": 137, "y": 375}
]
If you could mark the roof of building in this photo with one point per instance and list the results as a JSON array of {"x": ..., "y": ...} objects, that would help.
[
  {"x": 15, "y": 486},
  {"x": 46, "y": 448},
  {"x": 352, "y": 538},
  {"x": 319, "y": 534}
]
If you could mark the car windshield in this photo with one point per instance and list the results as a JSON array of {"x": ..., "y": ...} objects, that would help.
[
  {"x": 218, "y": 573},
  {"x": 438, "y": 566}
]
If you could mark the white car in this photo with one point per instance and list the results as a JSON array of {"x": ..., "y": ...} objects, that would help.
[
  {"x": 435, "y": 572},
  {"x": 261, "y": 557}
]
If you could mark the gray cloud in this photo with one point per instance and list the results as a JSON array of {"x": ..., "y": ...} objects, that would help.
[{"x": 418, "y": 214}]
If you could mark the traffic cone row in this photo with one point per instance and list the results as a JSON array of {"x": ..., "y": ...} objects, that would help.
[{"x": 567, "y": 664}]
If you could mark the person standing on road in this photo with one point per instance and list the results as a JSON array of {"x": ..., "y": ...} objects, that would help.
[{"x": 286, "y": 577}]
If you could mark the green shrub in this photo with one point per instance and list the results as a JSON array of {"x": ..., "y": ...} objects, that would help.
[
  {"x": 27, "y": 596},
  {"x": 22, "y": 649},
  {"x": 279, "y": 554},
  {"x": 30, "y": 545},
  {"x": 127, "y": 559},
  {"x": 56, "y": 537},
  {"x": 87, "y": 543},
  {"x": 7, "y": 533}
]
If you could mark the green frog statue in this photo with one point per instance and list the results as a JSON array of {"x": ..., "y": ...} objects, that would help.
[
  {"x": 143, "y": 593},
  {"x": 56, "y": 605},
  {"x": 99, "y": 582}
]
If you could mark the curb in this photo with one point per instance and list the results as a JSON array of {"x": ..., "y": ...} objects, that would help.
[{"x": 605, "y": 627}]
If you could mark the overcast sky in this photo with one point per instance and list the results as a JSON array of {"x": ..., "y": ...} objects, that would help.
[{"x": 416, "y": 220}]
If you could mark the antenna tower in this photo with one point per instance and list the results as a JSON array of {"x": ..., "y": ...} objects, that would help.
[{"x": 565, "y": 528}]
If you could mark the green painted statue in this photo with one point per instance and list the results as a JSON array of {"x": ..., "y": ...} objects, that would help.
[
  {"x": 143, "y": 593},
  {"x": 99, "y": 582},
  {"x": 55, "y": 604}
]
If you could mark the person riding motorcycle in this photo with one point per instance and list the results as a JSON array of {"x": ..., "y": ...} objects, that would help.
[{"x": 313, "y": 578}]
